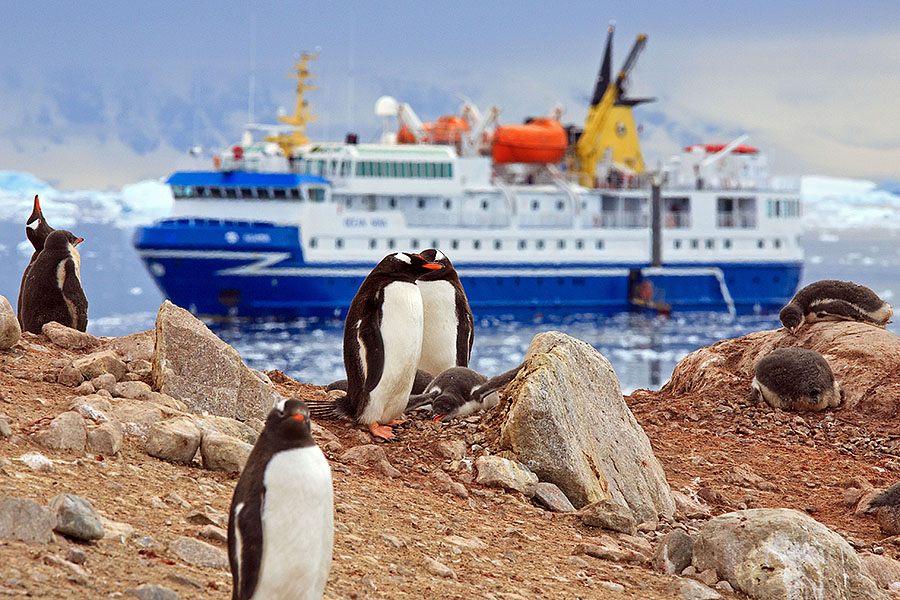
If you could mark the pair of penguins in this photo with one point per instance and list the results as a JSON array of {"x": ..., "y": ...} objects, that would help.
[
  {"x": 51, "y": 284},
  {"x": 801, "y": 379},
  {"x": 410, "y": 314},
  {"x": 409, "y": 319}
]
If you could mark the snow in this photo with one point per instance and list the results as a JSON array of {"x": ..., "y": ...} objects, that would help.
[{"x": 830, "y": 203}]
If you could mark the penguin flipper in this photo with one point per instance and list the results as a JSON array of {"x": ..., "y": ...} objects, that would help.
[
  {"x": 246, "y": 525},
  {"x": 495, "y": 384},
  {"x": 75, "y": 298},
  {"x": 420, "y": 400},
  {"x": 370, "y": 339}
]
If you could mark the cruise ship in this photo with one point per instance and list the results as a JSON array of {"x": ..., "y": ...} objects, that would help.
[{"x": 536, "y": 217}]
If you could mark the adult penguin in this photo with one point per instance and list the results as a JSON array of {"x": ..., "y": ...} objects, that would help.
[
  {"x": 52, "y": 288},
  {"x": 382, "y": 342},
  {"x": 447, "y": 331},
  {"x": 835, "y": 300},
  {"x": 460, "y": 392},
  {"x": 281, "y": 521},
  {"x": 36, "y": 230}
]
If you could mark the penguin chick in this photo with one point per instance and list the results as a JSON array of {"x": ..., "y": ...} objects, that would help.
[
  {"x": 835, "y": 300},
  {"x": 795, "y": 379},
  {"x": 36, "y": 230},
  {"x": 281, "y": 521},
  {"x": 886, "y": 506},
  {"x": 52, "y": 288},
  {"x": 460, "y": 392}
]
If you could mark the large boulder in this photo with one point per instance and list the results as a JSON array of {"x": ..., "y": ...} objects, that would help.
[
  {"x": 191, "y": 364},
  {"x": 779, "y": 553},
  {"x": 10, "y": 332},
  {"x": 865, "y": 361},
  {"x": 566, "y": 420}
]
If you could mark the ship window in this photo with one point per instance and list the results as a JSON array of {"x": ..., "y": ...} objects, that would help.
[
  {"x": 599, "y": 244},
  {"x": 404, "y": 170},
  {"x": 560, "y": 205},
  {"x": 450, "y": 170},
  {"x": 726, "y": 244},
  {"x": 540, "y": 244},
  {"x": 695, "y": 244},
  {"x": 760, "y": 244},
  {"x": 676, "y": 244},
  {"x": 579, "y": 244},
  {"x": 360, "y": 169},
  {"x": 391, "y": 243},
  {"x": 313, "y": 243},
  {"x": 429, "y": 170},
  {"x": 454, "y": 244},
  {"x": 434, "y": 244},
  {"x": 345, "y": 168},
  {"x": 231, "y": 192},
  {"x": 535, "y": 204},
  {"x": 498, "y": 245},
  {"x": 334, "y": 166},
  {"x": 710, "y": 244},
  {"x": 677, "y": 212},
  {"x": 421, "y": 203},
  {"x": 278, "y": 193},
  {"x": 561, "y": 244},
  {"x": 373, "y": 243},
  {"x": 414, "y": 244},
  {"x": 393, "y": 202},
  {"x": 484, "y": 204},
  {"x": 447, "y": 204},
  {"x": 316, "y": 194},
  {"x": 776, "y": 243},
  {"x": 338, "y": 243},
  {"x": 476, "y": 244},
  {"x": 522, "y": 244}
]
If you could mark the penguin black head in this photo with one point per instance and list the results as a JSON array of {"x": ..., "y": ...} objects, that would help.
[
  {"x": 406, "y": 265},
  {"x": 791, "y": 317},
  {"x": 36, "y": 227},
  {"x": 290, "y": 423},
  {"x": 435, "y": 256},
  {"x": 59, "y": 240}
]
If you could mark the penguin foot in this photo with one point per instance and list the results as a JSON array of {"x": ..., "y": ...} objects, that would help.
[
  {"x": 397, "y": 421},
  {"x": 382, "y": 431}
]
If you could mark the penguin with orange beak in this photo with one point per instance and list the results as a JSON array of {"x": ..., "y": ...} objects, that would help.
[{"x": 51, "y": 289}]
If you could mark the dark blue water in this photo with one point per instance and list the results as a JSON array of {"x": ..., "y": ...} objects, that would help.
[{"x": 643, "y": 350}]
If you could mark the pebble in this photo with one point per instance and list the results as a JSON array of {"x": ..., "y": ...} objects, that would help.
[
  {"x": 4, "y": 428},
  {"x": 76, "y": 556},
  {"x": 150, "y": 591},
  {"x": 439, "y": 569},
  {"x": 76, "y": 517},
  {"x": 199, "y": 554},
  {"x": 216, "y": 534},
  {"x": 612, "y": 586},
  {"x": 552, "y": 497}
]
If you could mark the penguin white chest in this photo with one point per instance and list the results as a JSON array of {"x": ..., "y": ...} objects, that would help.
[
  {"x": 298, "y": 526},
  {"x": 401, "y": 338},
  {"x": 440, "y": 326}
]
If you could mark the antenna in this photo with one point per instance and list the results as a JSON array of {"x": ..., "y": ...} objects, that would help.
[{"x": 252, "y": 93}]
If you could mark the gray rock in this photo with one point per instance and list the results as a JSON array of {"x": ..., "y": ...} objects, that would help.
[
  {"x": 364, "y": 454},
  {"x": 770, "y": 553},
  {"x": 175, "y": 440},
  {"x": 76, "y": 517},
  {"x": 114, "y": 530},
  {"x": 104, "y": 381},
  {"x": 142, "y": 414},
  {"x": 688, "y": 589},
  {"x": 451, "y": 449},
  {"x": 106, "y": 439},
  {"x": 226, "y": 426},
  {"x": 223, "y": 453},
  {"x": 133, "y": 390},
  {"x": 85, "y": 389},
  {"x": 93, "y": 407},
  {"x": 10, "y": 331},
  {"x": 552, "y": 497},
  {"x": 25, "y": 520},
  {"x": 69, "y": 376},
  {"x": 68, "y": 338},
  {"x": 568, "y": 422},
  {"x": 76, "y": 556},
  {"x": 674, "y": 552},
  {"x": 609, "y": 515},
  {"x": 882, "y": 569},
  {"x": 134, "y": 347},
  {"x": 65, "y": 432},
  {"x": 496, "y": 471},
  {"x": 439, "y": 569},
  {"x": 216, "y": 534},
  {"x": 5, "y": 431},
  {"x": 98, "y": 363},
  {"x": 193, "y": 365},
  {"x": 151, "y": 591},
  {"x": 200, "y": 554},
  {"x": 689, "y": 507}
]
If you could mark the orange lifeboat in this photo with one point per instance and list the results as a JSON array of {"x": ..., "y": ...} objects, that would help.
[
  {"x": 447, "y": 129},
  {"x": 713, "y": 148},
  {"x": 541, "y": 140}
]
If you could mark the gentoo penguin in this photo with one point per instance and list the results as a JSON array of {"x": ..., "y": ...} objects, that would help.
[
  {"x": 423, "y": 378},
  {"x": 52, "y": 287},
  {"x": 382, "y": 342},
  {"x": 795, "y": 379},
  {"x": 37, "y": 230},
  {"x": 281, "y": 521},
  {"x": 460, "y": 392},
  {"x": 448, "y": 325},
  {"x": 835, "y": 300}
]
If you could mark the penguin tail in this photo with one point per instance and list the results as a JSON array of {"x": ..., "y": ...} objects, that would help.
[{"x": 330, "y": 410}]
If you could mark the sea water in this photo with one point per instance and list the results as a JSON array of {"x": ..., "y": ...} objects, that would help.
[{"x": 642, "y": 349}]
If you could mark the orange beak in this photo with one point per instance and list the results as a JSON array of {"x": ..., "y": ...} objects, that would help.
[
  {"x": 433, "y": 266},
  {"x": 438, "y": 418},
  {"x": 78, "y": 241},
  {"x": 300, "y": 418}
]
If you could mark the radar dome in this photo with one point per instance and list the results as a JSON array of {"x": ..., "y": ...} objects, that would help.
[{"x": 386, "y": 106}]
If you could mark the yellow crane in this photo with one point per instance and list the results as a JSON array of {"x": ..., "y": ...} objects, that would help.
[
  {"x": 609, "y": 125},
  {"x": 297, "y": 136}
]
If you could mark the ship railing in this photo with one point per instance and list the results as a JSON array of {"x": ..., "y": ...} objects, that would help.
[
  {"x": 560, "y": 181},
  {"x": 714, "y": 272}
]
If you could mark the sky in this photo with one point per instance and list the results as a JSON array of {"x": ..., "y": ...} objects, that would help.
[{"x": 101, "y": 94}]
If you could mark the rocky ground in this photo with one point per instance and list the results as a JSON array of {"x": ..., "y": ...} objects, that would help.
[{"x": 413, "y": 523}]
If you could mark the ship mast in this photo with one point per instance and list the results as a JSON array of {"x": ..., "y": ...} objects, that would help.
[{"x": 302, "y": 114}]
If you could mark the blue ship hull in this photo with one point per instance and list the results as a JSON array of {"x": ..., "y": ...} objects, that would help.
[{"x": 257, "y": 270}]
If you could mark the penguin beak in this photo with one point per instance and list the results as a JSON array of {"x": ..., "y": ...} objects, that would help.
[
  {"x": 794, "y": 331},
  {"x": 77, "y": 241},
  {"x": 438, "y": 418},
  {"x": 432, "y": 266},
  {"x": 300, "y": 418}
]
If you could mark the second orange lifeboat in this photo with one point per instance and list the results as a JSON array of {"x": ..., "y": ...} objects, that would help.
[
  {"x": 541, "y": 140},
  {"x": 447, "y": 129}
]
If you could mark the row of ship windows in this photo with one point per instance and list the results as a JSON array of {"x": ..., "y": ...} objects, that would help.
[
  {"x": 377, "y": 168},
  {"x": 693, "y": 244}
]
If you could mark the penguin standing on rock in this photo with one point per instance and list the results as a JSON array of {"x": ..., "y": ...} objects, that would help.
[
  {"x": 37, "y": 230},
  {"x": 835, "y": 300},
  {"x": 460, "y": 392},
  {"x": 281, "y": 521},
  {"x": 383, "y": 342},
  {"x": 447, "y": 331},
  {"x": 51, "y": 290},
  {"x": 795, "y": 379}
]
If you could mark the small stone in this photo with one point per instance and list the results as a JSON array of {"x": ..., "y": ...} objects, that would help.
[
  {"x": 216, "y": 534},
  {"x": 133, "y": 390},
  {"x": 709, "y": 577},
  {"x": 76, "y": 556},
  {"x": 25, "y": 520},
  {"x": 106, "y": 439},
  {"x": 496, "y": 471},
  {"x": 611, "y": 586},
  {"x": 459, "y": 490},
  {"x": 724, "y": 586},
  {"x": 69, "y": 376},
  {"x": 334, "y": 447},
  {"x": 451, "y": 449},
  {"x": 4, "y": 428},
  {"x": 578, "y": 562},
  {"x": 104, "y": 381},
  {"x": 688, "y": 589},
  {"x": 10, "y": 331},
  {"x": 199, "y": 554},
  {"x": 364, "y": 454},
  {"x": 37, "y": 462},
  {"x": 86, "y": 388},
  {"x": 175, "y": 440},
  {"x": 387, "y": 469},
  {"x": 609, "y": 515},
  {"x": 65, "y": 432},
  {"x": 150, "y": 591},
  {"x": 552, "y": 497},
  {"x": 76, "y": 517},
  {"x": 438, "y": 569},
  {"x": 67, "y": 337},
  {"x": 105, "y": 361},
  {"x": 224, "y": 453},
  {"x": 674, "y": 552}
]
